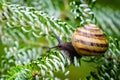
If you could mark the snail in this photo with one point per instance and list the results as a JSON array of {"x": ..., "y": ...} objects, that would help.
[
  {"x": 86, "y": 41},
  {"x": 89, "y": 40}
]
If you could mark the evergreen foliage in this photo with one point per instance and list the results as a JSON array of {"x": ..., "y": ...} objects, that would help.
[{"x": 27, "y": 32}]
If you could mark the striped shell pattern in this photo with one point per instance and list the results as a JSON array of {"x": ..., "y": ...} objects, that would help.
[{"x": 89, "y": 40}]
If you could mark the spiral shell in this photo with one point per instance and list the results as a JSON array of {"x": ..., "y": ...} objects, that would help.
[{"x": 89, "y": 40}]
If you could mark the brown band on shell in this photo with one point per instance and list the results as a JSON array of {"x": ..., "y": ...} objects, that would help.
[
  {"x": 83, "y": 49},
  {"x": 101, "y": 37},
  {"x": 91, "y": 43}
]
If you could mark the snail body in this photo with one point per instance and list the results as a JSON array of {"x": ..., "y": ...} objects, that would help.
[{"x": 89, "y": 41}]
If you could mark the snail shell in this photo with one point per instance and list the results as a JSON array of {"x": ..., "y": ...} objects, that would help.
[{"x": 89, "y": 40}]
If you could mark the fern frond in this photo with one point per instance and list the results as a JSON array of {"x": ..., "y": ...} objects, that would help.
[
  {"x": 44, "y": 67},
  {"x": 108, "y": 19},
  {"x": 83, "y": 12},
  {"x": 50, "y": 7},
  {"x": 109, "y": 69},
  {"x": 18, "y": 73},
  {"x": 32, "y": 21},
  {"x": 28, "y": 32},
  {"x": 25, "y": 32},
  {"x": 29, "y": 27}
]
